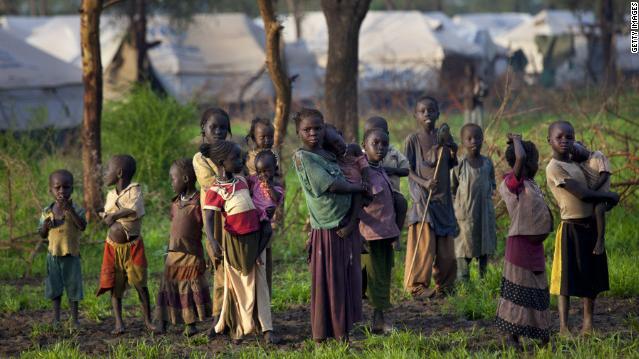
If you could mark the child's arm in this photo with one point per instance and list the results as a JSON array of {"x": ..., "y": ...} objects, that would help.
[
  {"x": 342, "y": 186},
  {"x": 427, "y": 183},
  {"x": 110, "y": 218},
  {"x": 208, "y": 230},
  {"x": 352, "y": 221},
  {"x": 585, "y": 194},
  {"x": 79, "y": 222},
  {"x": 520, "y": 154},
  {"x": 603, "y": 178},
  {"x": 45, "y": 227},
  {"x": 399, "y": 172},
  {"x": 269, "y": 185}
]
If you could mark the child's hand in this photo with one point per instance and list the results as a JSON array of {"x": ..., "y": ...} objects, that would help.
[
  {"x": 512, "y": 137},
  {"x": 259, "y": 262},
  {"x": 47, "y": 225},
  {"x": 345, "y": 231},
  {"x": 613, "y": 198},
  {"x": 108, "y": 220},
  {"x": 432, "y": 184},
  {"x": 599, "y": 248}
]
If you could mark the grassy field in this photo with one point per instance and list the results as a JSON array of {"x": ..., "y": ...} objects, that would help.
[{"x": 156, "y": 131}]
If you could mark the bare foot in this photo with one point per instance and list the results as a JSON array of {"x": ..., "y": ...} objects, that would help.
[
  {"x": 513, "y": 341},
  {"x": 211, "y": 332},
  {"x": 150, "y": 327},
  {"x": 586, "y": 330},
  {"x": 565, "y": 332},
  {"x": 75, "y": 324},
  {"x": 270, "y": 338},
  {"x": 119, "y": 329},
  {"x": 190, "y": 330}
]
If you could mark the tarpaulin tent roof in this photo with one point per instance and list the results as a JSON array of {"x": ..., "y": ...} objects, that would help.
[
  {"x": 560, "y": 28},
  {"x": 495, "y": 23},
  {"x": 215, "y": 56},
  {"x": 59, "y": 36},
  {"x": 35, "y": 85}
]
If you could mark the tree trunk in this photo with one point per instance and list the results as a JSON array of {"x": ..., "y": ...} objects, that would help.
[
  {"x": 92, "y": 80},
  {"x": 606, "y": 19},
  {"x": 44, "y": 8},
  {"x": 295, "y": 9},
  {"x": 276, "y": 70},
  {"x": 137, "y": 38},
  {"x": 343, "y": 18}
]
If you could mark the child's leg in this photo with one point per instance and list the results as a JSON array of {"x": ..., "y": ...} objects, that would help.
[
  {"x": 379, "y": 266},
  {"x": 263, "y": 298},
  {"x": 445, "y": 265},
  {"x": 483, "y": 265},
  {"x": 56, "y": 309},
  {"x": 589, "y": 307},
  {"x": 74, "y": 313},
  {"x": 600, "y": 218},
  {"x": 116, "y": 304},
  {"x": 143, "y": 294},
  {"x": 401, "y": 208},
  {"x": 463, "y": 269},
  {"x": 563, "y": 306},
  {"x": 269, "y": 269}
]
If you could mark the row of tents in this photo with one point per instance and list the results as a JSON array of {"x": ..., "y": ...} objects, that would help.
[{"x": 220, "y": 57}]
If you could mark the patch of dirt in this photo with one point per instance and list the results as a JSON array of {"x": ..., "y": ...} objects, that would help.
[{"x": 292, "y": 327}]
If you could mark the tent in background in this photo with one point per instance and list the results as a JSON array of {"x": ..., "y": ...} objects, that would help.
[
  {"x": 496, "y": 24},
  {"x": 555, "y": 45},
  {"x": 37, "y": 90},
  {"x": 215, "y": 57}
]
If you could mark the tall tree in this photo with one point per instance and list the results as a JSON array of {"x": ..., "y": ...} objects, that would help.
[
  {"x": 343, "y": 18},
  {"x": 276, "y": 69},
  {"x": 606, "y": 21},
  {"x": 92, "y": 78},
  {"x": 137, "y": 37}
]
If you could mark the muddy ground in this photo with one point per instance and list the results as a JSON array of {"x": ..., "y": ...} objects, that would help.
[{"x": 293, "y": 328}]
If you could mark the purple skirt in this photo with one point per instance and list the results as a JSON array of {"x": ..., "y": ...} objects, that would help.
[{"x": 336, "y": 283}]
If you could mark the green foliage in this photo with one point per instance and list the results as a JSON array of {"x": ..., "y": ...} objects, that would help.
[
  {"x": 153, "y": 129},
  {"x": 63, "y": 349}
]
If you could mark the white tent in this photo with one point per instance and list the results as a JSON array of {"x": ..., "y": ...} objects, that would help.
[
  {"x": 567, "y": 29},
  {"x": 496, "y": 24},
  {"x": 215, "y": 57},
  {"x": 301, "y": 63},
  {"x": 59, "y": 36},
  {"x": 36, "y": 89},
  {"x": 626, "y": 61}
]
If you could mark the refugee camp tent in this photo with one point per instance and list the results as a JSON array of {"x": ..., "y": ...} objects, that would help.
[
  {"x": 302, "y": 65},
  {"x": 496, "y": 24},
  {"x": 627, "y": 62},
  {"x": 59, "y": 36},
  {"x": 215, "y": 57},
  {"x": 37, "y": 90},
  {"x": 555, "y": 45}
]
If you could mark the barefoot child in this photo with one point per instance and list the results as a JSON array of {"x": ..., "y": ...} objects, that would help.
[
  {"x": 435, "y": 250},
  {"x": 262, "y": 135},
  {"x": 596, "y": 168},
  {"x": 576, "y": 271},
  {"x": 473, "y": 185},
  {"x": 378, "y": 227},
  {"x": 215, "y": 125},
  {"x": 183, "y": 296},
  {"x": 62, "y": 223},
  {"x": 395, "y": 165},
  {"x": 328, "y": 198},
  {"x": 124, "y": 260},
  {"x": 246, "y": 304},
  {"x": 524, "y": 298}
]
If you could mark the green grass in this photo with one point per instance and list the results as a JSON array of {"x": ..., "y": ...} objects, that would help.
[{"x": 158, "y": 130}]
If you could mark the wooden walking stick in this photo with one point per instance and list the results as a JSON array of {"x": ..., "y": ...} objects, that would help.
[{"x": 430, "y": 194}]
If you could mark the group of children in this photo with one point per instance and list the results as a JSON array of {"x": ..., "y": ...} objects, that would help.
[{"x": 356, "y": 214}]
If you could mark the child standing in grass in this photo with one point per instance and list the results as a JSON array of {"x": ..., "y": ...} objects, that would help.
[
  {"x": 395, "y": 165},
  {"x": 124, "y": 260},
  {"x": 215, "y": 125},
  {"x": 576, "y": 270},
  {"x": 183, "y": 296},
  {"x": 62, "y": 223},
  {"x": 328, "y": 197},
  {"x": 379, "y": 228},
  {"x": 473, "y": 184},
  {"x": 261, "y": 137},
  {"x": 524, "y": 298},
  {"x": 431, "y": 231},
  {"x": 246, "y": 304}
]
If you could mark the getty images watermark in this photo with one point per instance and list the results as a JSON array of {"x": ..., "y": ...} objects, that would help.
[{"x": 634, "y": 27}]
